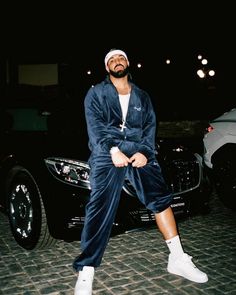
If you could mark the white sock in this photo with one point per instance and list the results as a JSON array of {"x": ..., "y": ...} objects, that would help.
[{"x": 175, "y": 247}]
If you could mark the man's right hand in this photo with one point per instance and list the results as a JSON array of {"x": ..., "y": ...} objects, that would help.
[{"x": 119, "y": 159}]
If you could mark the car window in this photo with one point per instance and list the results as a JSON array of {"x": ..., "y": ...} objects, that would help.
[{"x": 27, "y": 119}]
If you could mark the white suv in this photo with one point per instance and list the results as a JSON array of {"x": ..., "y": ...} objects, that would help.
[{"x": 220, "y": 156}]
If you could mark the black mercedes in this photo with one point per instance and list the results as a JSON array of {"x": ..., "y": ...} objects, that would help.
[{"x": 44, "y": 175}]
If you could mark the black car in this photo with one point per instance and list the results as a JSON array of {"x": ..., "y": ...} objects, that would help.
[{"x": 44, "y": 175}]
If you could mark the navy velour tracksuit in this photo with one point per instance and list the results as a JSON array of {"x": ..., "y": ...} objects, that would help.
[{"x": 103, "y": 116}]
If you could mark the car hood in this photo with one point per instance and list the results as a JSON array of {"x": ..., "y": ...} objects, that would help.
[{"x": 229, "y": 116}]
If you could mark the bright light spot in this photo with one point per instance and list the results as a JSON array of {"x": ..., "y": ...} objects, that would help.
[
  {"x": 199, "y": 56},
  {"x": 201, "y": 74},
  {"x": 139, "y": 65},
  {"x": 89, "y": 72},
  {"x": 211, "y": 73},
  {"x": 168, "y": 61},
  {"x": 204, "y": 61}
]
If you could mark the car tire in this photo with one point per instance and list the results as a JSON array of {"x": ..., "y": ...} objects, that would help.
[
  {"x": 26, "y": 212},
  {"x": 225, "y": 181}
]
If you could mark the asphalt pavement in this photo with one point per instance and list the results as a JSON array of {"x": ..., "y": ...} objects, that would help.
[{"x": 134, "y": 262}]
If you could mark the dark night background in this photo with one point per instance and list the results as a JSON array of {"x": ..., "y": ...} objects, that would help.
[{"x": 77, "y": 37}]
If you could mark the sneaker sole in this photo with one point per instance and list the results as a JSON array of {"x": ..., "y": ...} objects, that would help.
[{"x": 204, "y": 280}]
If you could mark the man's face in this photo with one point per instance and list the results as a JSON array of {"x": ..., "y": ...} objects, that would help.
[{"x": 118, "y": 66}]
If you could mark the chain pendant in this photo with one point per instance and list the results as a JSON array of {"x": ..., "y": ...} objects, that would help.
[{"x": 122, "y": 126}]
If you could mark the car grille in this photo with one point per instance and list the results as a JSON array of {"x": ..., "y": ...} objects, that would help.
[{"x": 181, "y": 175}]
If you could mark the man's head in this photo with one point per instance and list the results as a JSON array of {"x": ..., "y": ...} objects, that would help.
[{"x": 117, "y": 63}]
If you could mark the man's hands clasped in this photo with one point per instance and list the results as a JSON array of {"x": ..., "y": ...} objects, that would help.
[{"x": 119, "y": 159}]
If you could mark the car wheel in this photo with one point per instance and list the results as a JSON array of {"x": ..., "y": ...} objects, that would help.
[
  {"x": 26, "y": 211},
  {"x": 225, "y": 182}
]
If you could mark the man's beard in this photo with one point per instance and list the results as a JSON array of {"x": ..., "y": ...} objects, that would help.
[{"x": 119, "y": 74}]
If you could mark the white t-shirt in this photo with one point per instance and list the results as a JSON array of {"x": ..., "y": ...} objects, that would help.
[{"x": 124, "y": 102}]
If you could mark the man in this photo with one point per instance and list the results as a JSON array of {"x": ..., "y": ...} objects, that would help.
[{"x": 121, "y": 125}]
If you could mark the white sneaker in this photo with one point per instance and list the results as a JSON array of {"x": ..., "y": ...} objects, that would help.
[
  {"x": 84, "y": 284},
  {"x": 184, "y": 267}
]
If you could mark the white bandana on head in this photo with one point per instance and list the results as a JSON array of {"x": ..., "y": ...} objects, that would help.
[{"x": 112, "y": 53}]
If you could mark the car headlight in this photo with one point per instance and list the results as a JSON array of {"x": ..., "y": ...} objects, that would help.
[{"x": 70, "y": 171}]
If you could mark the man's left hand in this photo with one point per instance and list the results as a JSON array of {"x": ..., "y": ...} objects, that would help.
[{"x": 138, "y": 160}]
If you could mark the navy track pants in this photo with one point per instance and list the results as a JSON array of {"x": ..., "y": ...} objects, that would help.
[{"x": 106, "y": 184}]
